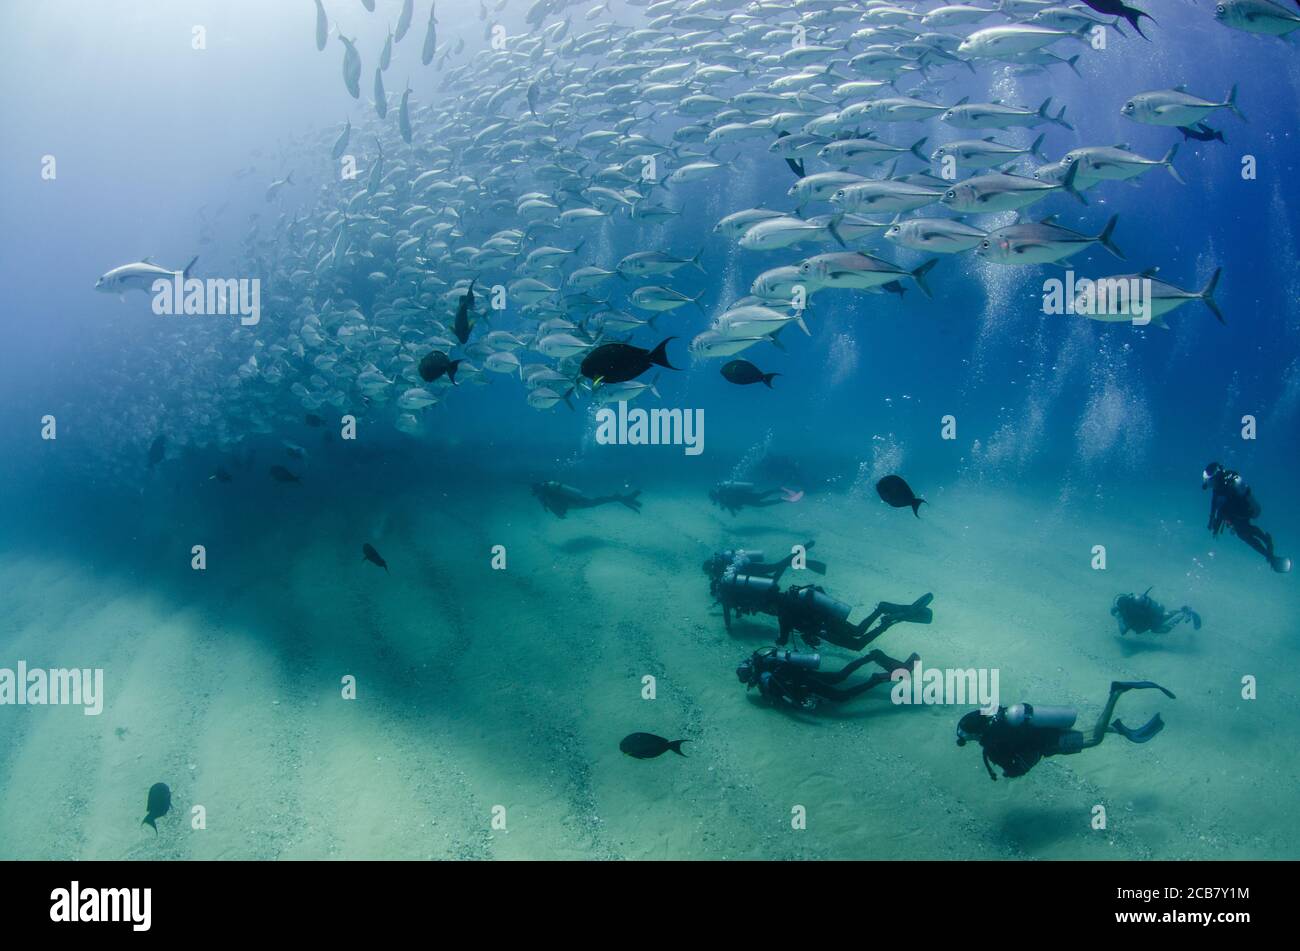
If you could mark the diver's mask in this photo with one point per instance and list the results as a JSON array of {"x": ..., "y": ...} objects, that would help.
[
  {"x": 972, "y": 727},
  {"x": 745, "y": 672},
  {"x": 1207, "y": 476}
]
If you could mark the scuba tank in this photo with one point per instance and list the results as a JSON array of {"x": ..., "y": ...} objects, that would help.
[
  {"x": 823, "y": 604},
  {"x": 797, "y": 659},
  {"x": 1040, "y": 717}
]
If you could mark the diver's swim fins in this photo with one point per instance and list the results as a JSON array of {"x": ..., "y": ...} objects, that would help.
[
  {"x": 1119, "y": 686},
  {"x": 816, "y": 566},
  {"x": 1280, "y": 565},
  {"x": 1142, "y": 733},
  {"x": 918, "y": 612}
]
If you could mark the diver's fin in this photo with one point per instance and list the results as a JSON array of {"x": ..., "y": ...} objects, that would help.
[
  {"x": 818, "y": 566},
  {"x": 918, "y": 612},
  {"x": 1142, "y": 733},
  {"x": 1119, "y": 686}
]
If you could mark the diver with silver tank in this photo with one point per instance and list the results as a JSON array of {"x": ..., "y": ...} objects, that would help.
[
  {"x": 795, "y": 678},
  {"x": 1017, "y": 738},
  {"x": 817, "y": 617}
]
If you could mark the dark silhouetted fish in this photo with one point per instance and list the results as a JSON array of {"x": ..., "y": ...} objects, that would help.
[
  {"x": 463, "y": 310},
  {"x": 281, "y": 474},
  {"x": 1117, "y": 8},
  {"x": 620, "y": 362},
  {"x": 435, "y": 364},
  {"x": 1202, "y": 133},
  {"x": 899, "y": 494},
  {"x": 160, "y": 803},
  {"x": 743, "y": 373},
  {"x": 312, "y": 419},
  {"x": 648, "y": 745},
  {"x": 157, "y": 450},
  {"x": 369, "y": 554}
]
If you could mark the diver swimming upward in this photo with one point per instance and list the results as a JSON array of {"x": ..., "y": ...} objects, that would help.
[{"x": 1232, "y": 503}]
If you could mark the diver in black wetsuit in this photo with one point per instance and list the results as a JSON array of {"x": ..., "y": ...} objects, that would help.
[
  {"x": 558, "y": 499},
  {"x": 817, "y": 617},
  {"x": 1016, "y": 738},
  {"x": 1145, "y": 613},
  {"x": 1234, "y": 504},
  {"x": 783, "y": 676},
  {"x": 734, "y": 496}
]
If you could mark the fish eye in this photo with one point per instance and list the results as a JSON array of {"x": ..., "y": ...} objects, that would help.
[
  {"x": 952, "y": 193},
  {"x": 984, "y": 244}
]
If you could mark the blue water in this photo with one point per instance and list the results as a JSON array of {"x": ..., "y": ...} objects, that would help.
[{"x": 1060, "y": 421}]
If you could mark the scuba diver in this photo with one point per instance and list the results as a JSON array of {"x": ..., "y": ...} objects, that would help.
[
  {"x": 1145, "y": 613},
  {"x": 1016, "y": 738},
  {"x": 558, "y": 499},
  {"x": 1233, "y": 503},
  {"x": 734, "y": 496},
  {"x": 743, "y": 582},
  {"x": 753, "y": 562},
  {"x": 818, "y": 617},
  {"x": 783, "y": 676}
]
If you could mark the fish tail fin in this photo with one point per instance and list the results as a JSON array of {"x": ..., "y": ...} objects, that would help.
[
  {"x": 659, "y": 355},
  {"x": 1060, "y": 120},
  {"x": 149, "y": 821},
  {"x": 1073, "y": 63},
  {"x": 676, "y": 747},
  {"x": 451, "y": 371},
  {"x": 798, "y": 319},
  {"x": 1207, "y": 295},
  {"x": 1133, "y": 16},
  {"x": 1068, "y": 183},
  {"x": 1037, "y": 147},
  {"x": 915, "y": 149},
  {"x": 833, "y": 226},
  {"x": 768, "y": 378},
  {"x": 630, "y": 501},
  {"x": 189, "y": 267},
  {"x": 916, "y": 506},
  {"x": 919, "y": 276},
  {"x": 1106, "y": 242},
  {"x": 568, "y": 402},
  {"x": 1042, "y": 110},
  {"x": 695, "y": 261},
  {"x": 1231, "y": 103},
  {"x": 1168, "y": 163},
  {"x": 654, "y": 386}
]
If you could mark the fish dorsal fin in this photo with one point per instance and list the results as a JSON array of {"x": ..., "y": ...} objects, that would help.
[
  {"x": 962, "y": 101},
  {"x": 989, "y": 138},
  {"x": 1181, "y": 87},
  {"x": 147, "y": 259},
  {"x": 1123, "y": 146},
  {"x": 1049, "y": 220},
  {"x": 1149, "y": 272}
]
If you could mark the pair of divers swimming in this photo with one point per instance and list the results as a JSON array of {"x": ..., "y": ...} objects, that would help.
[{"x": 744, "y": 582}]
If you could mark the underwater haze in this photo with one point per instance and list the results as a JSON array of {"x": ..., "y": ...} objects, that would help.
[{"x": 376, "y": 377}]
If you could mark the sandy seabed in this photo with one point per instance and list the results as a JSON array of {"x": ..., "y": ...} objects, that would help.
[{"x": 480, "y": 689}]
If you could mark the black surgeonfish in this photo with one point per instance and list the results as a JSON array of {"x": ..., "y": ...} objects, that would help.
[
  {"x": 893, "y": 490},
  {"x": 648, "y": 745},
  {"x": 620, "y": 362},
  {"x": 160, "y": 803},
  {"x": 369, "y": 554}
]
